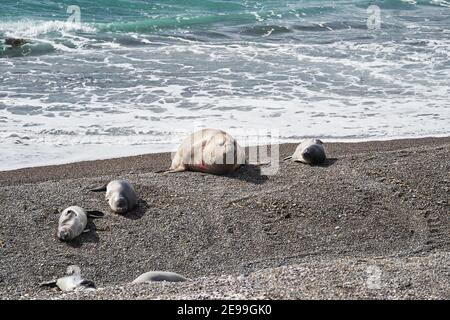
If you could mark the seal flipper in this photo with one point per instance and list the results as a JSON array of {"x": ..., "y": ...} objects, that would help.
[
  {"x": 94, "y": 214},
  {"x": 50, "y": 284},
  {"x": 99, "y": 189},
  {"x": 179, "y": 169}
]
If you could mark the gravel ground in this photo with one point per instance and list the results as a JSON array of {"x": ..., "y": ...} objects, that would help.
[{"x": 373, "y": 222}]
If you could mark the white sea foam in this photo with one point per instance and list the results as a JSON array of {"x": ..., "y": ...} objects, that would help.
[
  {"x": 101, "y": 99},
  {"x": 35, "y": 28}
]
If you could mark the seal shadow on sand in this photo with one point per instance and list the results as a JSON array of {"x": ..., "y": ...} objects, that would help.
[
  {"x": 327, "y": 163},
  {"x": 138, "y": 212},
  {"x": 249, "y": 173},
  {"x": 86, "y": 237}
]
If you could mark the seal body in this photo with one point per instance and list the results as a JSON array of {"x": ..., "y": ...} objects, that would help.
[
  {"x": 210, "y": 151},
  {"x": 152, "y": 276},
  {"x": 72, "y": 223},
  {"x": 310, "y": 151},
  {"x": 72, "y": 281},
  {"x": 121, "y": 196}
]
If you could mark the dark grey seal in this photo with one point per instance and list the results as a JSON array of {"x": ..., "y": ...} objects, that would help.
[
  {"x": 120, "y": 195},
  {"x": 310, "y": 151}
]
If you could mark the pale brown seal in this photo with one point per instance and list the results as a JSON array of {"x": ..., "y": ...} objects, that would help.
[{"x": 210, "y": 151}]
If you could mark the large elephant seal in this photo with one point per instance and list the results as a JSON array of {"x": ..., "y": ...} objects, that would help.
[
  {"x": 210, "y": 151},
  {"x": 72, "y": 223},
  {"x": 310, "y": 151},
  {"x": 152, "y": 276},
  {"x": 72, "y": 281},
  {"x": 120, "y": 195}
]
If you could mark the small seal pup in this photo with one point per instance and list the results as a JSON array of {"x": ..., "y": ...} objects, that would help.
[
  {"x": 72, "y": 223},
  {"x": 310, "y": 151},
  {"x": 210, "y": 151},
  {"x": 120, "y": 196},
  {"x": 72, "y": 281},
  {"x": 152, "y": 276}
]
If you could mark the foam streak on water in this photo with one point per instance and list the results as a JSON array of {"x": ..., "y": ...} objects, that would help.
[{"x": 137, "y": 76}]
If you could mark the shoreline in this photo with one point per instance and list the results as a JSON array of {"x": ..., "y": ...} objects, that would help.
[
  {"x": 307, "y": 232},
  {"x": 160, "y": 150}
]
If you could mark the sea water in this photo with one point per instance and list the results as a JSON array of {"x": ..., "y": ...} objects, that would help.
[{"x": 108, "y": 78}]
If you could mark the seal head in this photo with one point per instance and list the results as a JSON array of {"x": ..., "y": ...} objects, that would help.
[
  {"x": 119, "y": 203},
  {"x": 121, "y": 196},
  {"x": 310, "y": 151},
  {"x": 64, "y": 233},
  {"x": 314, "y": 154}
]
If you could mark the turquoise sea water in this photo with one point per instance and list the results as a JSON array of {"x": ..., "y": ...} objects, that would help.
[{"x": 135, "y": 76}]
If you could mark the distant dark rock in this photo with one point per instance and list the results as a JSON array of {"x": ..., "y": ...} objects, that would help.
[{"x": 15, "y": 42}]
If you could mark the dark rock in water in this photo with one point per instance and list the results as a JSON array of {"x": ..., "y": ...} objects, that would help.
[{"x": 15, "y": 43}]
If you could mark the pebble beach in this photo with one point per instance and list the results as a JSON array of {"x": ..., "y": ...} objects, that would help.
[{"x": 372, "y": 222}]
